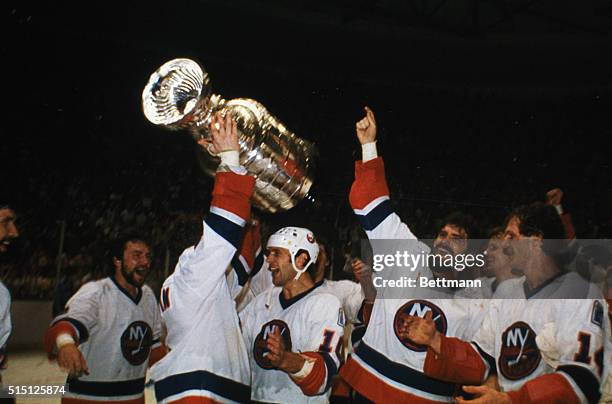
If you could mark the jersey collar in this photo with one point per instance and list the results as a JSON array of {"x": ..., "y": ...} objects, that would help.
[
  {"x": 529, "y": 293},
  {"x": 288, "y": 302},
  {"x": 136, "y": 299}
]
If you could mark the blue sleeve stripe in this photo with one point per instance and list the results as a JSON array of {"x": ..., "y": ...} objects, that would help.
[
  {"x": 241, "y": 272},
  {"x": 332, "y": 369},
  {"x": 227, "y": 229},
  {"x": 375, "y": 217},
  {"x": 82, "y": 331},
  {"x": 584, "y": 379}
]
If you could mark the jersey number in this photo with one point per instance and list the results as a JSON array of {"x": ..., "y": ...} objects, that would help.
[
  {"x": 328, "y": 336},
  {"x": 582, "y": 355},
  {"x": 583, "y": 352}
]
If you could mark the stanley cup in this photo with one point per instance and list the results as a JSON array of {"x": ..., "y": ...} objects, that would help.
[{"x": 178, "y": 96}]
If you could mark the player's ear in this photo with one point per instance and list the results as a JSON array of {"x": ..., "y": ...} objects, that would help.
[
  {"x": 301, "y": 259},
  {"x": 116, "y": 263}
]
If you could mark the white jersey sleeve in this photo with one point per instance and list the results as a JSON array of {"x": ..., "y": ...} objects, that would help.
[
  {"x": 322, "y": 333},
  {"x": 5, "y": 319},
  {"x": 606, "y": 379},
  {"x": 82, "y": 310},
  {"x": 201, "y": 270},
  {"x": 247, "y": 317},
  {"x": 369, "y": 198},
  {"x": 485, "y": 337},
  {"x": 350, "y": 295},
  {"x": 198, "y": 309},
  {"x": 158, "y": 328},
  {"x": 579, "y": 337},
  {"x": 246, "y": 262}
]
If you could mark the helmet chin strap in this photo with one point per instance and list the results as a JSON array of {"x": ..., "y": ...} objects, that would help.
[{"x": 299, "y": 271}]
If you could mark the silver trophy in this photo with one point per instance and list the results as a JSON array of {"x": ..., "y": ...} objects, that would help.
[{"x": 178, "y": 96}]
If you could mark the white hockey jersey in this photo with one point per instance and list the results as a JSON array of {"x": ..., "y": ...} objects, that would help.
[
  {"x": 527, "y": 338},
  {"x": 486, "y": 291},
  {"x": 606, "y": 380},
  {"x": 566, "y": 285},
  {"x": 310, "y": 322},
  {"x": 207, "y": 357},
  {"x": 116, "y": 335},
  {"x": 5, "y": 321},
  {"x": 385, "y": 367},
  {"x": 246, "y": 266},
  {"x": 349, "y": 293},
  {"x": 259, "y": 280}
]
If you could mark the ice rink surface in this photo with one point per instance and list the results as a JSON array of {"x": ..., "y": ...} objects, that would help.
[{"x": 32, "y": 368}]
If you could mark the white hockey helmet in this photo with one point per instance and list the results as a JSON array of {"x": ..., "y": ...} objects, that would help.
[{"x": 296, "y": 239}]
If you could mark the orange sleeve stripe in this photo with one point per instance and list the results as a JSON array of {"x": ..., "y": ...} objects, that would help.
[
  {"x": 370, "y": 183},
  {"x": 311, "y": 385},
  {"x": 457, "y": 362},
  {"x": 233, "y": 192},
  {"x": 157, "y": 354},
  {"x": 551, "y": 388},
  {"x": 61, "y": 327}
]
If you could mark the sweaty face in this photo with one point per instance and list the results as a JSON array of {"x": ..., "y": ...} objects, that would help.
[
  {"x": 495, "y": 259},
  {"x": 136, "y": 263},
  {"x": 518, "y": 246},
  {"x": 279, "y": 261},
  {"x": 8, "y": 229},
  {"x": 450, "y": 240}
]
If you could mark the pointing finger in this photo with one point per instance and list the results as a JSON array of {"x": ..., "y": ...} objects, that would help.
[{"x": 370, "y": 115}]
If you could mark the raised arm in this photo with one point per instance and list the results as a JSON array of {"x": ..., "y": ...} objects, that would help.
[
  {"x": 369, "y": 196},
  {"x": 229, "y": 211}
]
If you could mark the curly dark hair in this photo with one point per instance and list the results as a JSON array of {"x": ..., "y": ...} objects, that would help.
[
  {"x": 463, "y": 221},
  {"x": 539, "y": 219},
  {"x": 118, "y": 246}
]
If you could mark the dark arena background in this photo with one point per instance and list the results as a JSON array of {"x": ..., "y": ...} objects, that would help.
[{"x": 481, "y": 106}]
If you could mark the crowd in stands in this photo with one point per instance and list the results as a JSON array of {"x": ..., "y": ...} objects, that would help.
[{"x": 483, "y": 154}]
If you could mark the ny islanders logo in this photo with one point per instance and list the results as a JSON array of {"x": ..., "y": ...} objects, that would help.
[
  {"x": 310, "y": 238},
  {"x": 520, "y": 355},
  {"x": 260, "y": 352},
  {"x": 418, "y": 308},
  {"x": 136, "y": 342}
]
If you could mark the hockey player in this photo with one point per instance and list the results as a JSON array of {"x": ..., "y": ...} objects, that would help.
[
  {"x": 208, "y": 361},
  {"x": 386, "y": 366},
  {"x": 110, "y": 332},
  {"x": 247, "y": 276},
  {"x": 349, "y": 293},
  {"x": 606, "y": 379},
  {"x": 8, "y": 233},
  {"x": 292, "y": 331},
  {"x": 8, "y": 228},
  {"x": 498, "y": 268},
  {"x": 544, "y": 348}
]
